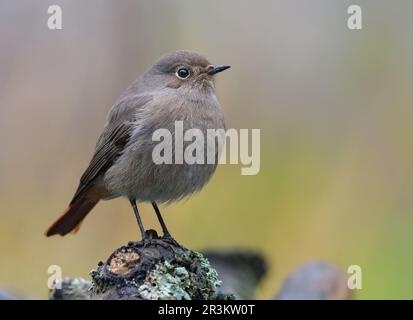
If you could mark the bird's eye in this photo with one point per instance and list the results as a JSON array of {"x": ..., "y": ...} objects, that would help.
[{"x": 182, "y": 73}]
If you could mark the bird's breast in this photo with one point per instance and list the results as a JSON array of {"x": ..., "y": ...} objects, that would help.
[{"x": 171, "y": 121}]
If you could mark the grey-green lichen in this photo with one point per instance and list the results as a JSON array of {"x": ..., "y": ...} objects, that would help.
[
  {"x": 166, "y": 283},
  {"x": 73, "y": 289},
  {"x": 158, "y": 269},
  {"x": 211, "y": 273},
  {"x": 99, "y": 283},
  {"x": 191, "y": 277}
]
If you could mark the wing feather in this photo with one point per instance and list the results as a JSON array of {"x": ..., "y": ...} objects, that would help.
[{"x": 112, "y": 141}]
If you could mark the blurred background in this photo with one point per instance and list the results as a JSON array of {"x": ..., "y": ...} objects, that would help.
[{"x": 334, "y": 107}]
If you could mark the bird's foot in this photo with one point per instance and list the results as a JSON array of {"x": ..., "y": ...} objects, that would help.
[
  {"x": 148, "y": 236},
  {"x": 168, "y": 238}
]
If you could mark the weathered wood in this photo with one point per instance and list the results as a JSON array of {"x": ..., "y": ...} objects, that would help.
[
  {"x": 161, "y": 269},
  {"x": 157, "y": 268}
]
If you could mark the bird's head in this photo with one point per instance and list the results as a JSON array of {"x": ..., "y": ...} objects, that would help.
[{"x": 184, "y": 71}]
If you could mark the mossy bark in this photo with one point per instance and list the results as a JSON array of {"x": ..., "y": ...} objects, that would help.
[
  {"x": 154, "y": 269},
  {"x": 161, "y": 269}
]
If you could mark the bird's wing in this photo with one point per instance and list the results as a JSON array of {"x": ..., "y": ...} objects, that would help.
[{"x": 112, "y": 141}]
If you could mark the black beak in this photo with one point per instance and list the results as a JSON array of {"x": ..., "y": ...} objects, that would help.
[{"x": 217, "y": 68}]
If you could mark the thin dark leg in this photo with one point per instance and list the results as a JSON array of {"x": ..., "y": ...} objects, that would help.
[
  {"x": 163, "y": 225},
  {"x": 135, "y": 210}
]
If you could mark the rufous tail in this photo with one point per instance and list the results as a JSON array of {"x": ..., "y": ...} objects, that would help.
[{"x": 77, "y": 210}]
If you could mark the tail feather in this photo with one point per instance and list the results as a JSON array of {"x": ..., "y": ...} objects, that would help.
[{"x": 74, "y": 214}]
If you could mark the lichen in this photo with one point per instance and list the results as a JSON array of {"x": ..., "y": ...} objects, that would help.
[
  {"x": 99, "y": 284},
  {"x": 211, "y": 273},
  {"x": 74, "y": 289},
  {"x": 166, "y": 282},
  {"x": 193, "y": 277},
  {"x": 159, "y": 269}
]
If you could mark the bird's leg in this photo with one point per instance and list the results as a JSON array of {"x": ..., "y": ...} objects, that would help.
[
  {"x": 165, "y": 231},
  {"x": 135, "y": 210}
]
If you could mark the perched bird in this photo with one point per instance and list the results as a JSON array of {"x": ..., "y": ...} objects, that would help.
[{"x": 179, "y": 86}]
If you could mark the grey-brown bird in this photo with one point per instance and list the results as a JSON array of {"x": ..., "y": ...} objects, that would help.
[{"x": 178, "y": 87}]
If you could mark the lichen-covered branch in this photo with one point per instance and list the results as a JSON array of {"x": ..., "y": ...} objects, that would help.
[
  {"x": 161, "y": 269},
  {"x": 158, "y": 269}
]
